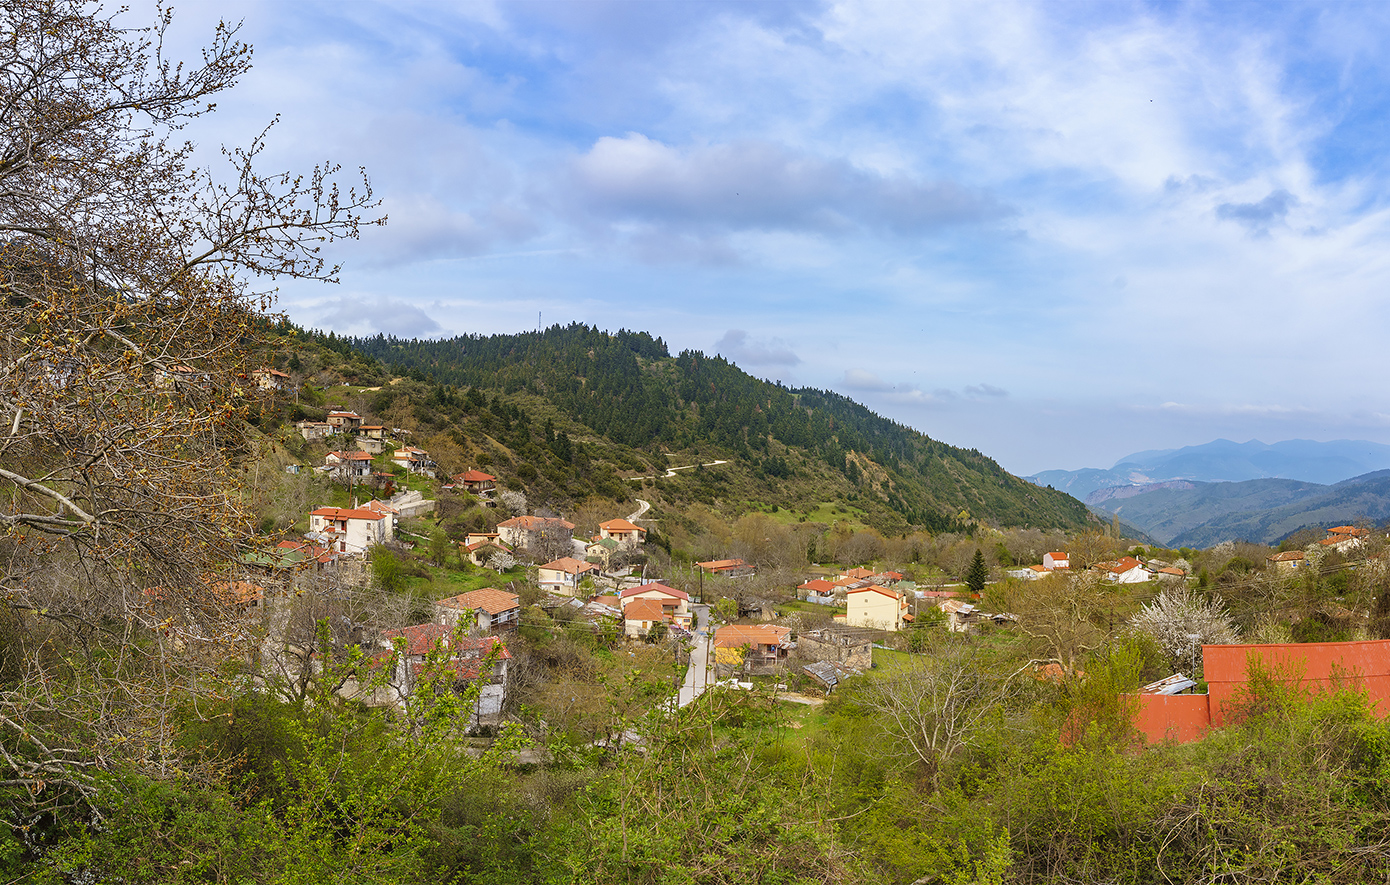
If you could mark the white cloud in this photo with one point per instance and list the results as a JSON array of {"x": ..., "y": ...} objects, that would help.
[{"x": 738, "y": 346}]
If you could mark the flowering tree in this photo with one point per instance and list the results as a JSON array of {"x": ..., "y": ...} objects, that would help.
[{"x": 1182, "y": 621}]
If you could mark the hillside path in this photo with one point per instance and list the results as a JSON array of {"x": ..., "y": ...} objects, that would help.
[
  {"x": 671, "y": 471},
  {"x": 643, "y": 507}
]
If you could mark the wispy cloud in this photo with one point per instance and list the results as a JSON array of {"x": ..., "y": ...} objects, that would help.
[{"x": 738, "y": 346}]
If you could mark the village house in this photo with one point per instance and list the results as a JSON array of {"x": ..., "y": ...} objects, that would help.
[
  {"x": 750, "y": 648},
  {"x": 270, "y": 379},
  {"x": 857, "y": 574},
  {"x": 528, "y": 532},
  {"x": 563, "y": 575},
  {"x": 312, "y": 430},
  {"x": 414, "y": 460},
  {"x": 675, "y": 602},
  {"x": 475, "y": 482},
  {"x": 489, "y": 610},
  {"x": 1125, "y": 570},
  {"x": 601, "y": 552},
  {"x": 640, "y": 615},
  {"x": 625, "y": 533},
  {"x": 480, "y": 551},
  {"x": 819, "y": 590},
  {"x": 1344, "y": 538},
  {"x": 727, "y": 568},
  {"x": 344, "y": 422},
  {"x": 881, "y": 608},
  {"x": 1053, "y": 561},
  {"x": 372, "y": 431},
  {"x": 462, "y": 664},
  {"x": 838, "y": 645},
  {"x": 1287, "y": 561},
  {"x": 370, "y": 444},
  {"x": 350, "y": 530},
  {"x": 348, "y": 465}
]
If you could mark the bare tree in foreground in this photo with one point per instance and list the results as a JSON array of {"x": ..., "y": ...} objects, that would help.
[
  {"x": 935, "y": 703},
  {"x": 127, "y": 332}
]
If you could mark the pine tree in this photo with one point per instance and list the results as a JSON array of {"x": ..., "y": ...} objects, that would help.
[{"x": 979, "y": 572}]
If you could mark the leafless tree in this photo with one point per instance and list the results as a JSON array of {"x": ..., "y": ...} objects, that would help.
[
  {"x": 936, "y": 702},
  {"x": 127, "y": 330}
]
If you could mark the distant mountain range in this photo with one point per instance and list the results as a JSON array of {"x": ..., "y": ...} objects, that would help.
[
  {"x": 1304, "y": 460},
  {"x": 1260, "y": 510}
]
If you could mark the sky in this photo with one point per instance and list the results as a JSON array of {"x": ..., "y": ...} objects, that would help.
[{"x": 1056, "y": 233}]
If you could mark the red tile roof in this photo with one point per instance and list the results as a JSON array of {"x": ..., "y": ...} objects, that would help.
[
  {"x": 644, "y": 610},
  {"x": 344, "y": 513},
  {"x": 531, "y": 523},
  {"x": 820, "y": 585},
  {"x": 488, "y": 599},
  {"x": 660, "y": 588},
  {"x": 621, "y": 525},
  {"x": 739, "y": 635},
  {"x": 892, "y": 594},
  {"x": 350, "y": 456},
  {"x": 718, "y": 565},
  {"x": 570, "y": 566},
  {"x": 474, "y": 476},
  {"x": 1286, "y": 556}
]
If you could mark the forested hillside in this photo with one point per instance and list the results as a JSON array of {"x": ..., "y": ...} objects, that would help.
[{"x": 626, "y": 388}]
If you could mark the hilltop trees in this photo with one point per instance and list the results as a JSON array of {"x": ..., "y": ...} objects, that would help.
[{"x": 126, "y": 330}]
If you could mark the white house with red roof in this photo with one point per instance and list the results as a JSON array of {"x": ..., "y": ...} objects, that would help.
[
  {"x": 1125, "y": 570},
  {"x": 475, "y": 482},
  {"x": 1053, "y": 561},
  {"x": 348, "y": 465},
  {"x": 674, "y": 602},
  {"x": 640, "y": 615},
  {"x": 344, "y": 422},
  {"x": 818, "y": 590},
  {"x": 625, "y": 533},
  {"x": 525, "y": 532},
  {"x": 489, "y": 610},
  {"x": 351, "y": 530},
  {"x": 727, "y": 568},
  {"x": 460, "y": 661},
  {"x": 414, "y": 460},
  {"x": 563, "y": 575},
  {"x": 881, "y": 608}
]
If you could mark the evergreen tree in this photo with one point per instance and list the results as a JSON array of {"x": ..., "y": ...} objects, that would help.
[{"x": 979, "y": 572}]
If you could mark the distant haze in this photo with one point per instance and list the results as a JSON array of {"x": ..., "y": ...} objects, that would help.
[{"x": 1225, "y": 461}]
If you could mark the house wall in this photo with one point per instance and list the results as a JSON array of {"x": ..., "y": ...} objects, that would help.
[
  {"x": 873, "y": 609},
  {"x": 855, "y": 654}
]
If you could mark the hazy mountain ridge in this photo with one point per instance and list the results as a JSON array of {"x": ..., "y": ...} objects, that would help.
[
  {"x": 1259, "y": 510},
  {"x": 1222, "y": 460}
]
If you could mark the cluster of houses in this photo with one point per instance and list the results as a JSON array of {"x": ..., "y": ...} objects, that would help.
[
  {"x": 1125, "y": 570},
  {"x": 1342, "y": 538}
]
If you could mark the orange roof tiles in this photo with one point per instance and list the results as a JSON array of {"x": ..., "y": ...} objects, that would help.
[
  {"x": 488, "y": 599},
  {"x": 531, "y": 523},
  {"x": 739, "y": 635},
  {"x": 620, "y": 525},
  {"x": 570, "y": 566},
  {"x": 644, "y": 610},
  {"x": 660, "y": 588}
]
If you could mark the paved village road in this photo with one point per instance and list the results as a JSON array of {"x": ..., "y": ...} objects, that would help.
[
  {"x": 698, "y": 676},
  {"x": 643, "y": 507}
]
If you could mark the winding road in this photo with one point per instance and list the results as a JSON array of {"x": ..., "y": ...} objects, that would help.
[{"x": 671, "y": 471}]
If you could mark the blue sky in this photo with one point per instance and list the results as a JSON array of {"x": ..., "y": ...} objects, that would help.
[{"x": 1057, "y": 233}]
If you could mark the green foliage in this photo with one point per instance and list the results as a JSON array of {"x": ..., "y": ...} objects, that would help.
[
  {"x": 387, "y": 571},
  {"x": 978, "y": 574}
]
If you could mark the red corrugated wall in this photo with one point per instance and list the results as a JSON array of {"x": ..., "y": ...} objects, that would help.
[
  {"x": 1180, "y": 717},
  {"x": 1317, "y": 665}
]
